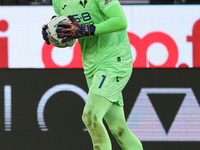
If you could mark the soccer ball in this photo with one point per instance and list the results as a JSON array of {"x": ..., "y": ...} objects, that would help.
[{"x": 52, "y": 34}]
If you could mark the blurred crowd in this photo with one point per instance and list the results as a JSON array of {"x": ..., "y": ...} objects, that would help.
[
  {"x": 49, "y": 2},
  {"x": 25, "y": 2},
  {"x": 174, "y": 1}
]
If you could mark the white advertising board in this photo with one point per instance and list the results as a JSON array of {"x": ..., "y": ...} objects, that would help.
[{"x": 163, "y": 36}]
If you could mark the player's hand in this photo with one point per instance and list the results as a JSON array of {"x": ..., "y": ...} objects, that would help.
[
  {"x": 73, "y": 30},
  {"x": 44, "y": 34}
]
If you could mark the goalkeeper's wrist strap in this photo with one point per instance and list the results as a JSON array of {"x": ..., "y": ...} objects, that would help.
[{"x": 88, "y": 30}]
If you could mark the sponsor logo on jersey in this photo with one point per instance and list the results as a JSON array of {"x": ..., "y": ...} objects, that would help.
[
  {"x": 64, "y": 7},
  {"x": 83, "y": 3},
  {"x": 107, "y": 1}
]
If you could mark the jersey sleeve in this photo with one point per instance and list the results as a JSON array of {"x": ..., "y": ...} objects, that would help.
[
  {"x": 55, "y": 7},
  {"x": 105, "y": 4},
  {"x": 116, "y": 21}
]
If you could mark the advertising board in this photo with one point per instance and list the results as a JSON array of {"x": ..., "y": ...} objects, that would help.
[
  {"x": 162, "y": 36},
  {"x": 41, "y": 109}
]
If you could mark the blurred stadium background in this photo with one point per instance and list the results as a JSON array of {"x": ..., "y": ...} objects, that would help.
[
  {"x": 43, "y": 89},
  {"x": 48, "y": 2}
]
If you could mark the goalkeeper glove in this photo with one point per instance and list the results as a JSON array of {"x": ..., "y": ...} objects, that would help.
[
  {"x": 73, "y": 30},
  {"x": 45, "y": 34}
]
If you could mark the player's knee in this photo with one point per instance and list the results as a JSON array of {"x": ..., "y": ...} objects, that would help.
[
  {"x": 87, "y": 118},
  {"x": 117, "y": 131}
]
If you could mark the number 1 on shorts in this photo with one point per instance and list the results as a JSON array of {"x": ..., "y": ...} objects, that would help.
[{"x": 104, "y": 77}]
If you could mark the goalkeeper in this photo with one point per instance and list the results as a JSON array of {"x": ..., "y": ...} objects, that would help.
[{"x": 100, "y": 26}]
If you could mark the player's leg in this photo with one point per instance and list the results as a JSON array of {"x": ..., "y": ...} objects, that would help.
[
  {"x": 118, "y": 127},
  {"x": 95, "y": 109}
]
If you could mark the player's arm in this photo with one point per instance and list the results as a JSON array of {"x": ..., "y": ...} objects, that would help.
[{"x": 116, "y": 21}]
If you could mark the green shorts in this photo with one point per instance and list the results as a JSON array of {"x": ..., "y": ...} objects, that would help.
[{"x": 109, "y": 82}]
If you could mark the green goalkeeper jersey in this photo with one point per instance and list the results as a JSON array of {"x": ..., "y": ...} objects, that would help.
[{"x": 106, "y": 47}]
